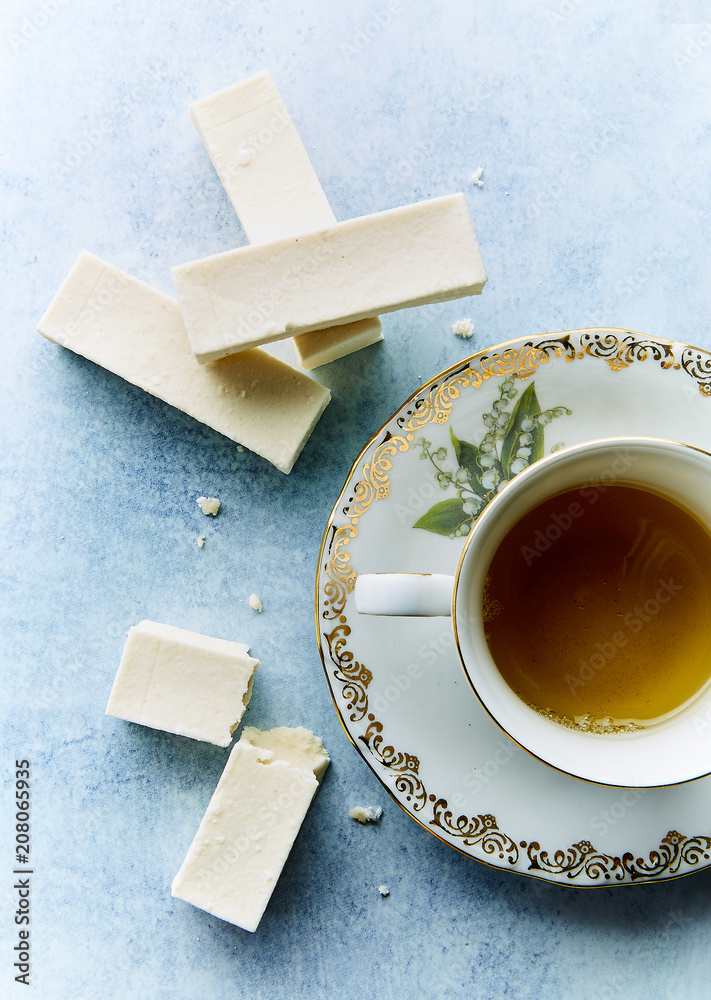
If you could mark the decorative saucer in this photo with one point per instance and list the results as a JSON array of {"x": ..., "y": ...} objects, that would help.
[{"x": 398, "y": 685}]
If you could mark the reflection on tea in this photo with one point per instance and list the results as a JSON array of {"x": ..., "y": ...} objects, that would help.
[{"x": 598, "y": 607}]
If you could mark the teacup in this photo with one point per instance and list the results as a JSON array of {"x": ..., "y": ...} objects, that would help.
[{"x": 652, "y": 753}]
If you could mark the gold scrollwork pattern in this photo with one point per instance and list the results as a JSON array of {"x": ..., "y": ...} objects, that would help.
[
  {"x": 480, "y": 831},
  {"x": 674, "y": 851},
  {"x": 667, "y": 860},
  {"x": 376, "y": 482},
  {"x": 340, "y": 575},
  {"x": 436, "y": 407},
  {"x": 697, "y": 364},
  {"x": 522, "y": 362},
  {"x": 405, "y": 765},
  {"x": 621, "y": 352},
  {"x": 526, "y": 360},
  {"x": 581, "y": 860},
  {"x": 352, "y": 675}
]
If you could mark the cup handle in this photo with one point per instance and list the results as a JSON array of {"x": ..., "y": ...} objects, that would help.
[{"x": 417, "y": 595}]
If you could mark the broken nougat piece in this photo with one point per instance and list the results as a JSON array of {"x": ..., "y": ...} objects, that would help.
[
  {"x": 252, "y": 820},
  {"x": 182, "y": 682},
  {"x": 366, "y": 814}
]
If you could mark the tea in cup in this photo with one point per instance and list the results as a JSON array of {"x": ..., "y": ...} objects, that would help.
[{"x": 582, "y": 609}]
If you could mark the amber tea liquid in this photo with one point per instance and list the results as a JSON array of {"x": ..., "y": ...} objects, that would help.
[{"x": 597, "y": 607}]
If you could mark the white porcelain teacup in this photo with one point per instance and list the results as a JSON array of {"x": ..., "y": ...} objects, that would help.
[{"x": 665, "y": 753}]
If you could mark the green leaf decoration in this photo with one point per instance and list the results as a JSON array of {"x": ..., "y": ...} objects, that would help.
[
  {"x": 444, "y": 518},
  {"x": 469, "y": 459},
  {"x": 490, "y": 461},
  {"x": 526, "y": 406},
  {"x": 536, "y": 444},
  {"x": 455, "y": 443}
]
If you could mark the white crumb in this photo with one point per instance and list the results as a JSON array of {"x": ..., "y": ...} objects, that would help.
[
  {"x": 366, "y": 814},
  {"x": 383, "y": 890},
  {"x": 476, "y": 177},
  {"x": 463, "y": 328},
  {"x": 254, "y": 602},
  {"x": 200, "y": 541},
  {"x": 240, "y": 447},
  {"x": 208, "y": 505}
]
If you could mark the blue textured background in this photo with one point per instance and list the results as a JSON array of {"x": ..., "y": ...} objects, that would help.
[{"x": 592, "y": 121}]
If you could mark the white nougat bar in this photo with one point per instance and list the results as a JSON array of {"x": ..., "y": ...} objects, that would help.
[
  {"x": 254, "y": 815},
  {"x": 426, "y": 252},
  {"x": 182, "y": 682},
  {"x": 265, "y": 169},
  {"x": 137, "y": 332},
  {"x": 261, "y": 160}
]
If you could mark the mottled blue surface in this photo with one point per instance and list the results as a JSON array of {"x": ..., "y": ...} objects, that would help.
[{"x": 592, "y": 121}]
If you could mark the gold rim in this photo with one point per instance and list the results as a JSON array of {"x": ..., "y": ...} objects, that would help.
[
  {"x": 561, "y": 770},
  {"x": 619, "y": 348}
]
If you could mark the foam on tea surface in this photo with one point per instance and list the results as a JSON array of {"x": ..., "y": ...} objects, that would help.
[{"x": 602, "y": 599}]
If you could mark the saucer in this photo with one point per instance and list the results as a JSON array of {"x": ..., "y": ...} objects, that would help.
[{"x": 398, "y": 685}]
